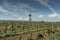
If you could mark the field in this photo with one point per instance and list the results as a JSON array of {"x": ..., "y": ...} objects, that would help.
[{"x": 28, "y": 30}]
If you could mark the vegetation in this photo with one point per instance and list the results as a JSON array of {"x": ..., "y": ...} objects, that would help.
[
  {"x": 39, "y": 36},
  {"x": 20, "y": 27}
]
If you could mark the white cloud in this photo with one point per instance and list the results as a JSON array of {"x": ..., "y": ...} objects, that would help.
[
  {"x": 3, "y": 10},
  {"x": 6, "y": 12},
  {"x": 23, "y": 18},
  {"x": 53, "y": 15},
  {"x": 42, "y": 1},
  {"x": 21, "y": 8},
  {"x": 17, "y": 10},
  {"x": 26, "y": 19},
  {"x": 45, "y": 2},
  {"x": 41, "y": 16},
  {"x": 20, "y": 18}
]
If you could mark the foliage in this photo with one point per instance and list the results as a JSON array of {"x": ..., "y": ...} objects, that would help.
[
  {"x": 55, "y": 36},
  {"x": 20, "y": 27},
  {"x": 39, "y": 36}
]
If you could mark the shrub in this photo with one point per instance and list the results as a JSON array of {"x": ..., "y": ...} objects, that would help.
[{"x": 39, "y": 36}]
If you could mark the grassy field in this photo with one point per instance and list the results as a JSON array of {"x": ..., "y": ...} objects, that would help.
[{"x": 20, "y": 27}]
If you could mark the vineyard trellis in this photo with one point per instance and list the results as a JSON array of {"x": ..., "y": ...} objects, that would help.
[{"x": 22, "y": 27}]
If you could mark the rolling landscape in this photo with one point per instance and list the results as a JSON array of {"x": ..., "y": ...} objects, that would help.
[{"x": 29, "y": 19}]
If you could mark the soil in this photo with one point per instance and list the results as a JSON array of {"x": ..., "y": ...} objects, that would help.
[{"x": 27, "y": 35}]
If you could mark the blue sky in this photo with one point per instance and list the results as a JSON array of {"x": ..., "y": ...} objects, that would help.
[{"x": 47, "y": 10}]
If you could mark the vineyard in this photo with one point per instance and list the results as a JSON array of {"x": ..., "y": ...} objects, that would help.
[{"x": 42, "y": 30}]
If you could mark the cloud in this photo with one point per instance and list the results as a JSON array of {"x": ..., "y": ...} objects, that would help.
[
  {"x": 20, "y": 18},
  {"x": 41, "y": 16},
  {"x": 26, "y": 19},
  {"x": 53, "y": 15},
  {"x": 7, "y": 13},
  {"x": 3, "y": 10},
  {"x": 45, "y": 2},
  {"x": 16, "y": 10},
  {"x": 42, "y": 1},
  {"x": 23, "y": 18},
  {"x": 20, "y": 11}
]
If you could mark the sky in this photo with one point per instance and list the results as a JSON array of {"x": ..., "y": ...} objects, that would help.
[{"x": 41, "y": 10}]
